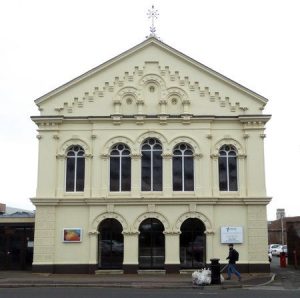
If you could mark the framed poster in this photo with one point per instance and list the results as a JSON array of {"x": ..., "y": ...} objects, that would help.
[
  {"x": 232, "y": 235},
  {"x": 72, "y": 235}
]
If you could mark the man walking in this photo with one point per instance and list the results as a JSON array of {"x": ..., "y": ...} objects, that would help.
[{"x": 232, "y": 257}]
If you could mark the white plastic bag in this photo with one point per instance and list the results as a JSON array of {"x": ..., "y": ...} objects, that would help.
[{"x": 201, "y": 277}]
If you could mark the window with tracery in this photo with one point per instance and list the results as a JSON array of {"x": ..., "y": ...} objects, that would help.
[
  {"x": 228, "y": 168},
  {"x": 152, "y": 165},
  {"x": 75, "y": 167},
  {"x": 120, "y": 168},
  {"x": 183, "y": 168}
]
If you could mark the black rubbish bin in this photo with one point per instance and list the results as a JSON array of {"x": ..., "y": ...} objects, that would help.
[{"x": 215, "y": 268}]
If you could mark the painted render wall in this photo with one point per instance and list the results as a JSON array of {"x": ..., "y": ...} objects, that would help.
[{"x": 113, "y": 103}]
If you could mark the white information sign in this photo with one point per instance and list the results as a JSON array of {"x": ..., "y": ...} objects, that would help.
[{"x": 231, "y": 235}]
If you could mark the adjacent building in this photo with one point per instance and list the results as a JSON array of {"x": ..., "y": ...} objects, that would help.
[{"x": 150, "y": 161}]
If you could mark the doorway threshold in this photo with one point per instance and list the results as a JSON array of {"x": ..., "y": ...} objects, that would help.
[
  {"x": 109, "y": 271},
  {"x": 152, "y": 271}
]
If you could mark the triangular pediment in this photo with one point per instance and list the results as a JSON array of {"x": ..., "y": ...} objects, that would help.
[{"x": 151, "y": 78}]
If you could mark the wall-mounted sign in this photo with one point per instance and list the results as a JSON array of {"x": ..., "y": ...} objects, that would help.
[
  {"x": 72, "y": 234},
  {"x": 232, "y": 235}
]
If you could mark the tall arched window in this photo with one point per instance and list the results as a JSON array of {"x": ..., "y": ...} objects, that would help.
[
  {"x": 228, "y": 168},
  {"x": 183, "y": 168},
  {"x": 120, "y": 168},
  {"x": 75, "y": 169},
  {"x": 151, "y": 165}
]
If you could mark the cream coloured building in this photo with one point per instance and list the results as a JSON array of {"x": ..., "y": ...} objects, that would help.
[{"x": 150, "y": 161}]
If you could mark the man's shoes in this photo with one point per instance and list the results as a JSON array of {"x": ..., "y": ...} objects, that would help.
[
  {"x": 228, "y": 278},
  {"x": 240, "y": 278}
]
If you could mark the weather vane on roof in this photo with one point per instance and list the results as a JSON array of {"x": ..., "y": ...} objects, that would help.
[{"x": 153, "y": 15}]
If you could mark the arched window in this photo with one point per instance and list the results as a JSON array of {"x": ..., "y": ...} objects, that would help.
[
  {"x": 151, "y": 165},
  {"x": 183, "y": 168},
  {"x": 75, "y": 169},
  {"x": 120, "y": 168},
  {"x": 227, "y": 168}
]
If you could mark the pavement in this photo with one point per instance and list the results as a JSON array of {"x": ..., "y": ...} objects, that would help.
[{"x": 13, "y": 279}]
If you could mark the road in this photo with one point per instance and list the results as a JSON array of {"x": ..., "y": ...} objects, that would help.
[{"x": 144, "y": 293}]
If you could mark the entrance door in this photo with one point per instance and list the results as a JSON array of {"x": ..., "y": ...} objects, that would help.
[
  {"x": 192, "y": 244},
  {"x": 151, "y": 244},
  {"x": 16, "y": 247},
  {"x": 110, "y": 244}
]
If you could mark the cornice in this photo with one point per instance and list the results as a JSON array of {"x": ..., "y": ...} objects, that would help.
[
  {"x": 177, "y": 201},
  {"x": 248, "y": 121}
]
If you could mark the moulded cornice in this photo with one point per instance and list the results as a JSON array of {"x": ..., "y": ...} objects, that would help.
[{"x": 134, "y": 201}]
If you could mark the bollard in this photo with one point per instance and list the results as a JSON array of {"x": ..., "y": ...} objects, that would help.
[
  {"x": 282, "y": 259},
  {"x": 215, "y": 268}
]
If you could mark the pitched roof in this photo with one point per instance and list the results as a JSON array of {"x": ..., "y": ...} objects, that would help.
[{"x": 147, "y": 42}]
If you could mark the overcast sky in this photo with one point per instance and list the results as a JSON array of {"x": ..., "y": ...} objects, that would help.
[{"x": 44, "y": 44}]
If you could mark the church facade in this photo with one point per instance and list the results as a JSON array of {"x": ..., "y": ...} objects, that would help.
[{"x": 150, "y": 161}]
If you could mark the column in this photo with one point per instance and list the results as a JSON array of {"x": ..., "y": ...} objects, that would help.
[
  {"x": 131, "y": 252},
  {"x": 172, "y": 251},
  {"x": 210, "y": 245},
  {"x": 93, "y": 253},
  {"x": 135, "y": 174},
  {"x": 104, "y": 175},
  {"x": 215, "y": 175},
  {"x": 167, "y": 174}
]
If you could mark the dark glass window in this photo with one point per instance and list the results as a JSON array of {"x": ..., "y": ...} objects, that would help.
[
  {"x": 151, "y": 165},
  {"x": 75, "y": 168},
  {"x": 183, "y": 168},
  {"x": 228, "y": 168},
  {"x": 120, "y": 168}
]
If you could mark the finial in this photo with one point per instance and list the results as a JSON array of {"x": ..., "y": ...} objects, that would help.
[{"x": 153, "y": 14}]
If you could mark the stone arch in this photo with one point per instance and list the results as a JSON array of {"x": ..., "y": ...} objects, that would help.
[
  {"x": 118, "y": 139},
  {"x": 200, "y": 216},
  {"x": 177, "y": 93},
  {"x": 152, "y": 79},
  {"x": 229, "y": 141},
  {"x": 96, "y": 222},
  {"x": 128, "y": 91},
  {"x": 74, "y": 141},
  {"x": 152, "y": 134},
  {"x": 185, "y": 139},
  {"x": 156, "y": 215}
]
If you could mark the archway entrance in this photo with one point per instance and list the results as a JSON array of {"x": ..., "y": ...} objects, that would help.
[
  {"x": 151, "y": 244},
  {"x": 192, "y": 244},
  {"x": 110, "y": 244}
]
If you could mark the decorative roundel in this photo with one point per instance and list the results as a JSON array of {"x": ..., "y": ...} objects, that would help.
[{"x": 129, "y": 100}]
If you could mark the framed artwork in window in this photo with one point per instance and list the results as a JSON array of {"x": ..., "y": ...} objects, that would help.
[{"x": 71, "y": 235}]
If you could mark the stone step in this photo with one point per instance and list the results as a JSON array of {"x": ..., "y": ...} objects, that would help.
[
  {"x": 187, "y": 271},
  {"x": 109, "y": 271},
  {"x": 152, "y": 272}
]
